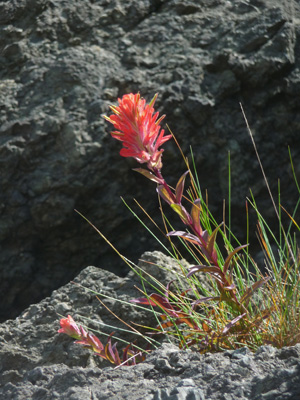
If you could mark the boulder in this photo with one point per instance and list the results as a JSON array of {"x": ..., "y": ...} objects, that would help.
[
  {"x": 36, "y": 362},
  {"x": 63, "y": 63}
]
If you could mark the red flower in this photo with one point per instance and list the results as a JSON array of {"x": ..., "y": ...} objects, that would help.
[
  {"x": 69, "y": 327},
  {"x": 139, "y": 130}
]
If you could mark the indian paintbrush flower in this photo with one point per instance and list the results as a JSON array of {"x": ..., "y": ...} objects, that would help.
[
  {"x": 228, "y": 326},
  {"x": 70, "y": 328},
  {"x": 90, "y": 341},
  {"x": 137, "y": 127}
]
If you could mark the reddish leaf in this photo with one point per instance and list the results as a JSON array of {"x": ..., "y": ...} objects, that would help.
[
  {"x": 195, "y": 214},
  {"x": 165, "y": 325},
  {"x": 205, "y": 236},
  {"x": 125, "y": 351},
  {"x": 165, "y": 195},
  {"x": 181, "y": 211},
  {"x": 187, "y": 236},
  {"x": 94, "y": 342},
  {"x": 178, "y": 321},
  {"x": 232, "y": 323},
  {"x": 133, "y": 355},
  {"x": 164, "y": 303},
  {"x": 229, "y": 257},
  {"x": 143, "y": 301},
  {"x": 157, "y": 300},
  {"x": 231, "y": 287},
  {"x": 211, "y": 240},
  {"x": 204, "y": 300},
  {"x": 111, "y": 352},
  {"x": 148, "y": 175},
  {"x": 203, "y": 268},
  {"x": 205, "y": 327},
  {"x": 180, "y": 187},
  {"x": 168, "y": 288},
  {"x": 116, "y": 354}
]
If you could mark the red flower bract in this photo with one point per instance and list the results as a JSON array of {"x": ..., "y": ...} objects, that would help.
[
  {"x": 69, "y": 327},
  {"x": 137, "y": 127}
]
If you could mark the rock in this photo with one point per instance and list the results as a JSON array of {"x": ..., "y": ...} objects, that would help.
[
  {"x": 62, "y": 65},
  {"x": 38, "y": 362},
  {"x": 31, "y": 340}
]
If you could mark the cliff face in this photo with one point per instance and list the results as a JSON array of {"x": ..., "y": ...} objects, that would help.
[{"x": 62, "y": 63}]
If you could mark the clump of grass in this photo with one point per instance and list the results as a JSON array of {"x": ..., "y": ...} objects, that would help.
[{"x": 239, "y": 305}]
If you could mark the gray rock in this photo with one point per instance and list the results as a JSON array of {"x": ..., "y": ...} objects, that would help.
[
  {"x": 31, "y": 340},
  {"x": 36, "y": 362},
  {"x": 63, "y": 63}
]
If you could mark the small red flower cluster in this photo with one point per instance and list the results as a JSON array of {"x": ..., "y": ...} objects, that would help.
[
  {"x": 137, "y": 127},
  {"x": 90, "y": 341},
  {"x": 70, "y": 328}
]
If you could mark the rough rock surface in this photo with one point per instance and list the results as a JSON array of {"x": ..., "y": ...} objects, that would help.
[
  {"x": 38, "y": 363},
  {"x": 62, "y": 63},
  {"x": 31, "y": 340}
]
